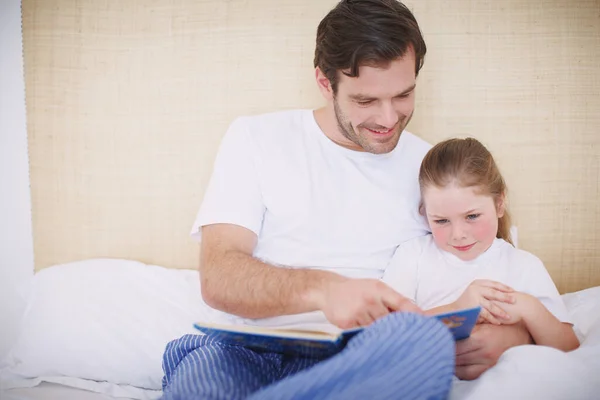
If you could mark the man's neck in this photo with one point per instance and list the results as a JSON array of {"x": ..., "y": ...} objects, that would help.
[{"x": 325, "y": 118}]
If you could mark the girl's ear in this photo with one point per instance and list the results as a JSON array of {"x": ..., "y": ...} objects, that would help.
[
  {"x": 422, "y": 208},
  {"x": 501, "y": 205},
  {"x": 423, "y": 213}
]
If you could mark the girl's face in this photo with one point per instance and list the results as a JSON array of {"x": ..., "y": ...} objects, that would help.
[{"x": 463, "y": 221}]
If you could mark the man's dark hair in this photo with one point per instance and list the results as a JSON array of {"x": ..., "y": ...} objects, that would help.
[{"x": 366, "y": 32}]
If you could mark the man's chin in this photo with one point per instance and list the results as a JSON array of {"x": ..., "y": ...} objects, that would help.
[
  {"x": 383, "y": 146},
  {"x": 381, "y": 149}
]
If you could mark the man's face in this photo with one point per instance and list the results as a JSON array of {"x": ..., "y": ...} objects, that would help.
[{"x": 373, "y": 109}]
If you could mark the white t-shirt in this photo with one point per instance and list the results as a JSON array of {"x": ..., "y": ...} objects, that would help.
[
  {"x": 311, "y": 202},
  {"x": 432, "y": 277}
]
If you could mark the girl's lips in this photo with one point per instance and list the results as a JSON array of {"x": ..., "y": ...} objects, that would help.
[{"x": 464, "y": 248}]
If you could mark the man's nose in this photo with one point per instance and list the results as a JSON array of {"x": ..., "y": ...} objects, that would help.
[{"x": 388, "y": 117}]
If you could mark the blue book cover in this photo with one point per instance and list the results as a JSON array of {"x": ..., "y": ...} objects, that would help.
[
  {"x": 314, "y": 343},
  {"x": 460, "y": 323}
]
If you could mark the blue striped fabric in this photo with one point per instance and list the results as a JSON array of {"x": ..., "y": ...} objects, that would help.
[{"x": 401, "y": 356}]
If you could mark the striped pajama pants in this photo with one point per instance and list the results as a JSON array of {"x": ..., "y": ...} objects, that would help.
[{"x": 401, "y": 356}]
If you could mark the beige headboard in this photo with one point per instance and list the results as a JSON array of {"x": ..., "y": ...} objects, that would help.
[{"x": 127, "y": 102}]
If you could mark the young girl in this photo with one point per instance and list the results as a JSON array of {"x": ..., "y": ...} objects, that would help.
[{"x": 469, "y": 259}]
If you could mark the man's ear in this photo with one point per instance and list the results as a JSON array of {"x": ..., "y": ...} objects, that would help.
[
  {"x": 324, "y": 84},
  {"x": 501, "y": 205}
]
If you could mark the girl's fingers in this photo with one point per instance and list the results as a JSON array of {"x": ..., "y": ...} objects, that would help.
[
  {"x": 493, "y": 294},
  {"x": 494, "y": 285},
  {"x": 495, "y": 309},
  {"x": 485, "y": 314}
]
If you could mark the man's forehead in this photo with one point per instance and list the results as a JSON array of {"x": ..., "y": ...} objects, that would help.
[{"x": 377, "y": 81}]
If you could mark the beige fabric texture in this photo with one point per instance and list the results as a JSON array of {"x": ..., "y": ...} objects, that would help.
[{"x": 127, "y": 102}]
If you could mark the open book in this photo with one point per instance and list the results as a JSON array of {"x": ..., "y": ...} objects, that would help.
[{"x": 317, "y": 340}]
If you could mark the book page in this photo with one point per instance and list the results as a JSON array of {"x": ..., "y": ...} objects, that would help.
[
  {"x": 314, "y": 332},
  {"x": 305, "y": 322}
]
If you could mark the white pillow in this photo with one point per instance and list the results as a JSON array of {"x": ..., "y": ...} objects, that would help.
[
  {"x": 584, "y": 309},
  {"x": 102, "y": 325}
]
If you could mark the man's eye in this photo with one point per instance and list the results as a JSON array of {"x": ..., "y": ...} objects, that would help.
[
  {"x": 364, "y": 102},
  {"x": 473, "y": 216}
]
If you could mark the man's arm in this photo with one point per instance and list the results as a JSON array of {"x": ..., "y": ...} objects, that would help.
[
  {"x": 237, "y": 283},
  {"x": 483, "y": 348}
]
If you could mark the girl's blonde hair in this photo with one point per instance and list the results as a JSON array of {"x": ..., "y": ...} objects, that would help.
[{"x": 467, "y": 163}]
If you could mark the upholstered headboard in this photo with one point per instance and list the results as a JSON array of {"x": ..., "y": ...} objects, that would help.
[{"x": 127, "y": 102}]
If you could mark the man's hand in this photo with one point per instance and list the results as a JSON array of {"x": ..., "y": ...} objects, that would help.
[
  {"x": 349, "y": 303},
  {"x": 481, "y": 350},
  {"x": 490, "y": 295}
]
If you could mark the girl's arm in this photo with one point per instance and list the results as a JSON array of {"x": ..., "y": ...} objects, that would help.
[{"x": 544, "y": 327}]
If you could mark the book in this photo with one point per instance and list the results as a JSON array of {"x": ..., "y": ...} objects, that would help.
[{"x": 317, "y": 340}]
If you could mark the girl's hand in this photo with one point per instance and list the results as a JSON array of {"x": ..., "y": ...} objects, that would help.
[
  {"x": 491, "y": 296},
  {"x": 518, "y": 310}
]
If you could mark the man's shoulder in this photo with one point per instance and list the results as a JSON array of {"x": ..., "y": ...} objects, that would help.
[
  {"x": 419, "y": 244},
  {"x": 412, "y": 140},
  {"x": 412, "y": 147},
  {"x": 275, "y": 135},
  {"x": 273, "y": 121}
]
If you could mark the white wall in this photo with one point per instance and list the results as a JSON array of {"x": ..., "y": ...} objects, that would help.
[{"x": 16, "y": 243}]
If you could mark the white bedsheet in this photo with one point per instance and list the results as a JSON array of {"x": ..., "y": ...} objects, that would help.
[
  {"x": 53, "y": 391},
  {"x": 538, "y": 372}
]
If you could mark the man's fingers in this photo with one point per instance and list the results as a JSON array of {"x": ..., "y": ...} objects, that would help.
[
  {"x": 468, "y": 358},
  {"x": 475, "y": 356},
  {"x": 470, "y": 344},
  {"x": 470, "y": 372},
  {"x": 364, "y": 319},
  {"x": 409, "y": 306},
  {"x": 394, "y": 301},
  {"x": 465, "y": 346},
  {"x": 377, "y": 311}
]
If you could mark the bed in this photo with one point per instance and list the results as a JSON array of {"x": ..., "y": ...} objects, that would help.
[{"x": 96, "y": 329}]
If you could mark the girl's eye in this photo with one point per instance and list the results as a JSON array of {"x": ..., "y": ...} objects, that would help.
[
  {"x": 440, "y": 221},
  {"x": 473, "y": 216}
]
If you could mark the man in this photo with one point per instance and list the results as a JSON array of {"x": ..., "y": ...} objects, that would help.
[{"x": 303, "y": 212}]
